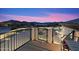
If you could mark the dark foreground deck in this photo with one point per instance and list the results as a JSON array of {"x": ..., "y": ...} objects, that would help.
[{"x": 39, "y": 46}]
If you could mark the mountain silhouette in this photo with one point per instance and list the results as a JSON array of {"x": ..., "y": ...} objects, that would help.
[{"x": 75, "y": 21}]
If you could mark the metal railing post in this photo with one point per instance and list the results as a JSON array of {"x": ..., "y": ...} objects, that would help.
[
  {"x": 73, "y": 35},
  {"x": 16, "y": 39},
  {"x": 47, "y": 35},
  {"x": 30, "y": 34},
  {"x": 11, "y": 40},
  {"x": 4, "y": 42},
  {"x": 8, "y": 42}
]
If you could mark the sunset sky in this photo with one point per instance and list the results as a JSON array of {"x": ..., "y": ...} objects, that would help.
[{"x": 39, "y": 14}]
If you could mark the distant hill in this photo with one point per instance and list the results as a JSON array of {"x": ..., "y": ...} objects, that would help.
[
  {"x": 14, "y": 24},
  {"x": 72, "y": 24},
  {"x": 74, "y": 21},
  {"x": 11, "y": 21}
]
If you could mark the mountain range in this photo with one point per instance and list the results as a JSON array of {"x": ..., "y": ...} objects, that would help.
[{"x": 15, "y": 23}]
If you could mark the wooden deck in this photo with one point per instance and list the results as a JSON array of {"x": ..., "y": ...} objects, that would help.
[{"x": 39, "y": 46}]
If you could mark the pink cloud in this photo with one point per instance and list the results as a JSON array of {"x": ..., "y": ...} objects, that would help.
[
  {"x": 63, "y": 17},
  {"x": 56, "y": 17}
]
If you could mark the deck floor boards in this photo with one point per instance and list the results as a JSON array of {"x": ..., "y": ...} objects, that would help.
[{"x": 39, "y": 46}]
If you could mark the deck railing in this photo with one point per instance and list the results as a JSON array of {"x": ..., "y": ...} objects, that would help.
[
  {"x": 70, "y": 36},
  {"x": 12, "y": 40}
]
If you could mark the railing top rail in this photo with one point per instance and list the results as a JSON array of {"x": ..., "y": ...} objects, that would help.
[{"x": 15, "y": 30}]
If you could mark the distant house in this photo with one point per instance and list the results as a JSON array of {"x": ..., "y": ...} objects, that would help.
[{"x": 4, "y": 29}]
